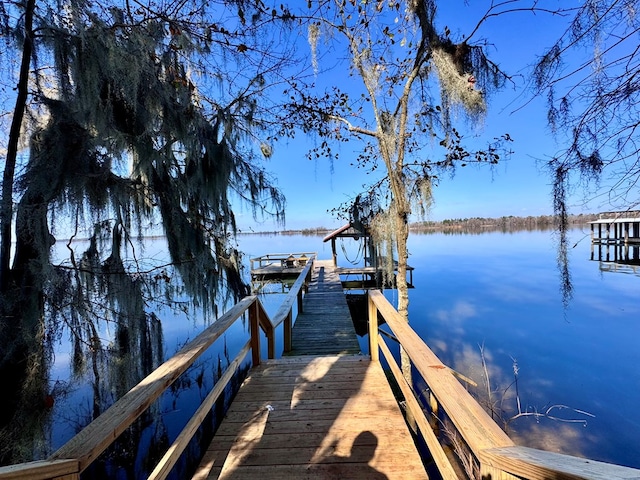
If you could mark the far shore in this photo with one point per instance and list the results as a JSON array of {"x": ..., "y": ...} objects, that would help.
[{"x": 461, "y": 225}]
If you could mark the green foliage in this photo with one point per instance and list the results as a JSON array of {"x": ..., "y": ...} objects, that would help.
[
  {"x": 414, "y": 79},
  {"x": 138, "y": 145},
  {"x": 140, "y": 120}
]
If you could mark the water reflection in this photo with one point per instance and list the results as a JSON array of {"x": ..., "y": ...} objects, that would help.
[
  {"x": 108, "y": 373},
  {"x": 502, "y": 290},
  {"x": 120, "y": 328},
  {"x": 618, "y": 258},
  {"x": 554, "y": 437},
  {"x": 494, "y": 289}
]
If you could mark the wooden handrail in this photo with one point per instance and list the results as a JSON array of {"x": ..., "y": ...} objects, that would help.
[
  {"x": 534, "y": 464},
  {"x": 496, "y": 456},
  {"x": 42, "y": 470},
  {"x": 263, "y": 259},
  {"x": 437, "y": 452},
  {"x": 94, "y": 439},
  {"x": 480, "y": 431},
  {"x": 292, "y": 296},
  {"x": 172, "y": 455},
  {"x": 78, "y": 453}
]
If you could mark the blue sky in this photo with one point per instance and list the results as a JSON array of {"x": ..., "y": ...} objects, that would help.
[{"x": 517, "y": 186}]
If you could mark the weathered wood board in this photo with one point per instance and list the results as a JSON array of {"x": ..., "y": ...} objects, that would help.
[
  {"x": 310, "y": 417},
  {"x": 325, "y": 326}
]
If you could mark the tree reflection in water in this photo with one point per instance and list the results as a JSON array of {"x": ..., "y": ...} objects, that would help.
[{"x": 106, "y": 340}]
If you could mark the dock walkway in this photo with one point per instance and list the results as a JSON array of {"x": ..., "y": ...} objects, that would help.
[
  {"x": 323, "y": 413},
  {"x": 325, "y": 326},
  {"x": 321, "y": 416}
]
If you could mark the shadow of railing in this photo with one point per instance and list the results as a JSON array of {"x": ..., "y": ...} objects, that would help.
[
  {"x": 82, "y": 450},
  {"x": 488, "y": 451},
  {"x": 482, "y": 450},
  {"x": 302, "y": 417}
]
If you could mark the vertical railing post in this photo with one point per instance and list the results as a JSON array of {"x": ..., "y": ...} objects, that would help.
[
  {"x": 254, "y": 326},
  {"x": 271, "y": 345},
  {"x": 373, "y": 330},
  {"x": 435, "y": 413},
  {"x": 288, "y": 325},
  {"x": 308, "y": 278},
  {"x": 300, "y": 301},
  {"x": 626, "y": 233}
]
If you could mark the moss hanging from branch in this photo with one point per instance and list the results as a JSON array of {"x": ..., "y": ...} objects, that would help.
[
  {"x": 123, "y": 141},
  {"x": 458, "y": 88}
]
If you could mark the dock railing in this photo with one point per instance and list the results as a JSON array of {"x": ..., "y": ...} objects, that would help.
[
  {"x": 298, "y": 259},
  {"x": 482, "y": 449},
  {"x": 82, "y": 450}
]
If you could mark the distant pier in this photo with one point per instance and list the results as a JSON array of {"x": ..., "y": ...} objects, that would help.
[
  {"x": 616, "y": 228},
  {"x": 615, "y": 240}
]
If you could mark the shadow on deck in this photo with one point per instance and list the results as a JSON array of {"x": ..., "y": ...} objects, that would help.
[
  {"x": 313, "y": 417},
  {"x": 323, "y": 411}
]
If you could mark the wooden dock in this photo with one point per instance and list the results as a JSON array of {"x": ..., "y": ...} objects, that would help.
[
  {"x": 313, "y": 417},
  {"x": 324, "y": 327},
  {"x": 328, "y": 415},
  {"x": 283, "y": 268},
  {"x": 324, "y": 412},
  {"x": 615, "y": 241}
]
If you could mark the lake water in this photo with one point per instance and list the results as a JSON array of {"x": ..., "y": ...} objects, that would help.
[
  {"x": 496, "y": 290},
  {"x": 502, "y": 291}
]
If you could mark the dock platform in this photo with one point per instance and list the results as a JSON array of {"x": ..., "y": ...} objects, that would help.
[
  {"x": 325, "y": 411},
  {"x": 283, "y": 269},
  {"x": 325, "y": 326},
  {"x": 277, "y": 268},
  {"x": 313, "y": 417}
]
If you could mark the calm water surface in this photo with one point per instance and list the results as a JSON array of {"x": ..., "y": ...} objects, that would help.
[
  {"x": 495, "y": 289},
  {"x": 502, "y": 291}
]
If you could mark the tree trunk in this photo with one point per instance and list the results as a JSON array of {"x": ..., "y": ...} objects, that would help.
[
  {"x": 15, "y": 354},
  {"x": 23, "y": 360},
  {"x": 6, "y": 203},
  {"x": 402, "y": 235}
]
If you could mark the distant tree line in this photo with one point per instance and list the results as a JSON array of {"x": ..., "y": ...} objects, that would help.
[
  {"x": 467, "y": 225},
  {"x": 505, "y": 224}
]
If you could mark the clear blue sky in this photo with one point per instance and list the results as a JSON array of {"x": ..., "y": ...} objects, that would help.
[{"x": 517, "y": 186}]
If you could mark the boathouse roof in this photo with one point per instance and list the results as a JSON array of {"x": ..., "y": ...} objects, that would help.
[
  {"x": 348, "y": 230},
  {"x": 615, "y": 220},
  {"x": 618, "y": 217}
]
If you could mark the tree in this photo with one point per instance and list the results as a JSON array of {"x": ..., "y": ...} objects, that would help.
[
  {"x": 594, "y": 106},
  {"x": 415, "y": 79},
  {"x": 135, "y": 119}
]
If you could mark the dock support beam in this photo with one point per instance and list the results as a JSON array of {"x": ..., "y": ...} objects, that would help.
[
  {"x": 373, "y": 331},
  {"x": 254, "y": 326}
]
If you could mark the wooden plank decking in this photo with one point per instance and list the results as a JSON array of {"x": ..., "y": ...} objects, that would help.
[
  {"x": 325, "y": 326},
  {"x": 307, "y": 417},
  {"x": 325, "y": 413}
]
